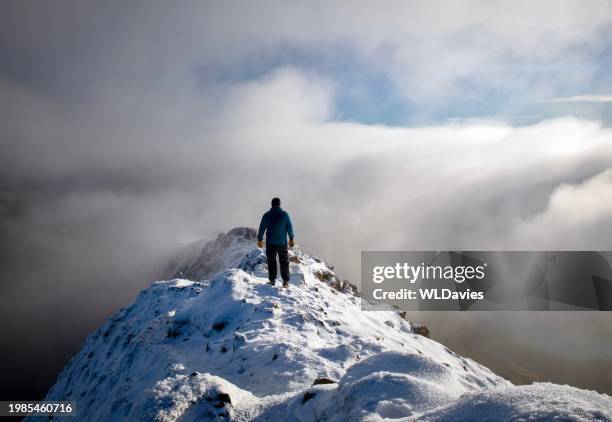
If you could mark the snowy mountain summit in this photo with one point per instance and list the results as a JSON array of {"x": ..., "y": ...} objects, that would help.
[{"x": 220, "y": 343}]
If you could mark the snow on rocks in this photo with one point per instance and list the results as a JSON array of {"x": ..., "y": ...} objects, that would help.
[
  {"x": 229, "y": 346},
  {"x": 388, "y": 384},
  {"x": 198, "y": 395}
]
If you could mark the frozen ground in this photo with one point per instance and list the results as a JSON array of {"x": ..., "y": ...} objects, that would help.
[{"x": 228, "y": 346}]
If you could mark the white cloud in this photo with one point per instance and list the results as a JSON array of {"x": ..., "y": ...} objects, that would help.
[
  {"x": 577, "y": 216},
  {"x": 582, "y": 99}
]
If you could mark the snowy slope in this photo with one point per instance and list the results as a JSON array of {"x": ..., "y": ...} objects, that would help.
[
  {"x": 227, "y": 345},
  {"x": 539, "y": 401}
]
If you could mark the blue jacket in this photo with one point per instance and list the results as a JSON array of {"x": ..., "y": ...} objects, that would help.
[{"x": 277, "y": 225}]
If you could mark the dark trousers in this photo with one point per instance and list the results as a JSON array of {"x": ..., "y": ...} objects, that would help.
[{"x": 283, "y": 258}]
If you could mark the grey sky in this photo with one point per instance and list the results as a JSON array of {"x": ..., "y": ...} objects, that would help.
[{"x": 127, "y": 129}]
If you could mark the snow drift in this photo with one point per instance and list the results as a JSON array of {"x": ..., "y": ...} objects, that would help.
[{"x": 219, "y": 343}]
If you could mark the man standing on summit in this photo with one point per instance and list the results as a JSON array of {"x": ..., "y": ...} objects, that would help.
[{"x": 277, "y": 225}]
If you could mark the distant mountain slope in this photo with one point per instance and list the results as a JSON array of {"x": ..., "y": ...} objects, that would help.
[{"x": 228, "y": 346}]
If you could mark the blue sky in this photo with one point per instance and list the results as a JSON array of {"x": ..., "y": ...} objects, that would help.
[{"x": 364, "y": 90}]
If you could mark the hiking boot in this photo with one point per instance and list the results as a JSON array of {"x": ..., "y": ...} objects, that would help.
[
  {"x": 272, "y": 282},
  {"x": 285, "y": 284}
]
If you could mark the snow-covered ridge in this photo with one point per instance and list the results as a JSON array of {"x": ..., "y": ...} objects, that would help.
[
  {"x": 228, "y": 346},
  {"x": 235, "y": 249}
]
